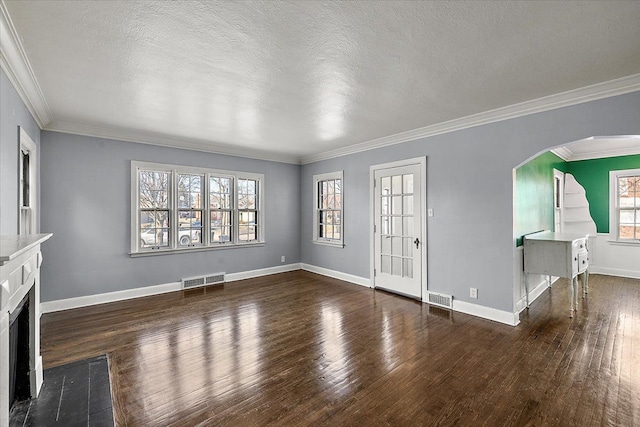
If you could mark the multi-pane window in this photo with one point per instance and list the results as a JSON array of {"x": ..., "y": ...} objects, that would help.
[
  {"x": 328, "y": 195},
  {"x": 625, "y": 215},
  {"x": 178, "y": 208},
  {"x": 154, "y": 208},
  {"x": 190, "y": 209},
  {"x": 248, "y": 209},
  {"x": 220, "y": 205}
]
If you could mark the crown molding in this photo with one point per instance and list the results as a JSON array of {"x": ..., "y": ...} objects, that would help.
[
  {"x": 169, "y": 142},
  {"x": 564, "y": 99},
  {"x": 15, "y": 64},
  {"x": 604, "y": 153},
  {"x": 599, "y": 152},
  {"x": 563, "y": 152},
  {"x": 569, "y": 156}
]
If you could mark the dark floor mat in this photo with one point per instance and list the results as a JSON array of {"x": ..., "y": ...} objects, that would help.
[{"x": 77, "y": 394}]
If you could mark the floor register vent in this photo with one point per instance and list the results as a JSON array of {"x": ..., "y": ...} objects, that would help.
[
  {"x": 211, "y": 279},
  {"x": 442, "y": 300}
]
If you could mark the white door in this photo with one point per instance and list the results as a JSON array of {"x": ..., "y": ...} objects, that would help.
[{"x": 398, "y": 231}]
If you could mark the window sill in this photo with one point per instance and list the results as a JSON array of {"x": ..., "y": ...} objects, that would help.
[
  {"x": 195, "y": 249},
  {"x": 623, "y": 243},
  {"x": 328, "y": 243}
]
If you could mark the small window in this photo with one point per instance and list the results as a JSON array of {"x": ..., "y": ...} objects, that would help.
[
  {"x": 328, "y": 218},
  {"x": 28, "y": 185},
  {"x": 624, "y": 218},
  {"x": 178, "y": 208}
]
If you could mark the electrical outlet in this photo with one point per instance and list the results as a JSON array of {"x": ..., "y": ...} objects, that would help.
[
  {"x": 473, "y": 292},
  {"x": 282, "y": 258}
]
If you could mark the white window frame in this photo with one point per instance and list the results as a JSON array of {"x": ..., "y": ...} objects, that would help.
[
  {"x": 317, "y": 179},
  {"x": 174, "y": 247},
  {"x": 27, "y": 208},
  {"x": 614, "y": 208}
]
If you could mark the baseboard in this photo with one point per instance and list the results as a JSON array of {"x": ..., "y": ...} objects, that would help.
[
  {"x": 506, "y": 317},
  {"x": 631, "y": 274},
  {"x": 232, "y": 277},
  {"x": 500, "y": 316},
  {"x": 362, "y": 281},
  {"x": 534, "y": 293},
  {"x": 85, "y": 301}
]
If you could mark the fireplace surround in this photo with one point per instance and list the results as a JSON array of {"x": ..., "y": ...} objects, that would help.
[{"x": 20, "y": 261}]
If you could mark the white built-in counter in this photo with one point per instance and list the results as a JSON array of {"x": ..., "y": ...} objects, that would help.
[{"x": 20, "y": 261}]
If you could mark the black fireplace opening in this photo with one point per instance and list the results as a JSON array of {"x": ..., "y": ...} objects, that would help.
[{"x": 19, "y": 385}]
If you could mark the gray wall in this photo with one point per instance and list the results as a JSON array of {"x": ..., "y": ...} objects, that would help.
[
  {"x": 13, "y": 113},
  {"x": 471, "y": 238},
  {"x": 86, "y": 204}
]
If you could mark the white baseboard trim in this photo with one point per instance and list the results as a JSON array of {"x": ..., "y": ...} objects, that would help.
[
  {"x": 362, "y": 281},
  {"x": 511, "y": 319},
  {"x": 631, "y": 274},
  {"x": 232, "y": 277},
  {"x": 85, "y": 301},
  {"x": 501, "y": 316},
  {"x": 534, "y": 293}
]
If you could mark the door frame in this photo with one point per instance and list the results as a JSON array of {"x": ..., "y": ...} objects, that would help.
[
  {"x": 558, "y": 198},
  {"x": 422, "y": 162}
]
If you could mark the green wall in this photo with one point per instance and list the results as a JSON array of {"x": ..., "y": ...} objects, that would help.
[
  {"x": 593, "y": 175},
  {"x": 534, "y": 194}
]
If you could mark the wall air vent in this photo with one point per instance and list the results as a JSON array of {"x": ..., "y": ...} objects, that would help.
[
  {"x": 214, "y": 279},
  {"x": 211, "y": 279},
  {"x": 442, "y": 300}
]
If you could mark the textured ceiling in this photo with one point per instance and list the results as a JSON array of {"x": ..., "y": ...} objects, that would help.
[{"x": 299, "y": 78}]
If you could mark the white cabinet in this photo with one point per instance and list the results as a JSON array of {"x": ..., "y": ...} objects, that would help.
[{"x": 558, "y": 254}]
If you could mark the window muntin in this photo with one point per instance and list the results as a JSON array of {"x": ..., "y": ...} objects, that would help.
[
  {"x": 248, "y": 209},
  {"x": 328, "y": 195},
  {"x": 628, "y": 202},
  {"x": 221, "y": 212},
  {"x": 624, "y": 217},
  {"x": 180, "y": 208},
  {"x": 190, "y": 209},
  {"x": 154, "y": 208}
]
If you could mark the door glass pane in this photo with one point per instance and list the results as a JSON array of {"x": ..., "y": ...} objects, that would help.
[
  {"x": 396, "y": 184},
  {"x": 407, "y": 226},
  {"x": 407, "y": 267},
  {"x": 386, "y": 225},
  {"x": 396, "y": 228},
  {"x": 407, "y": 246},
  {"x": 396, "y": 246},
  {"x": 407, "y": 184},
  {"x": 386, "y": 264},
  {"x": 396, "y": 268},
  {"x": 385, "y": 244},
  {"x": 384, "y": 205},
  {"x": 385, "y": 187},
  {"x": 407, "y": 205},
  {"x": 396, "y": 207}
]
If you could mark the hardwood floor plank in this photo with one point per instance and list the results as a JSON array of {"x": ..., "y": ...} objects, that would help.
[{"x": 302, "y": 349}]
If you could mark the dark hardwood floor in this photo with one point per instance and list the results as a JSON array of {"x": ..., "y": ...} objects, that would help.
[{"x": 302, "y": 349}]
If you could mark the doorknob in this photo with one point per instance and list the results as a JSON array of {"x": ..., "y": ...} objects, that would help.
[{"x": 417, "y": 242}]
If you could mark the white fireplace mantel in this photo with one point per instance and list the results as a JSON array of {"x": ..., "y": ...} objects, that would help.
[{"x": 20, "y": 260}]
